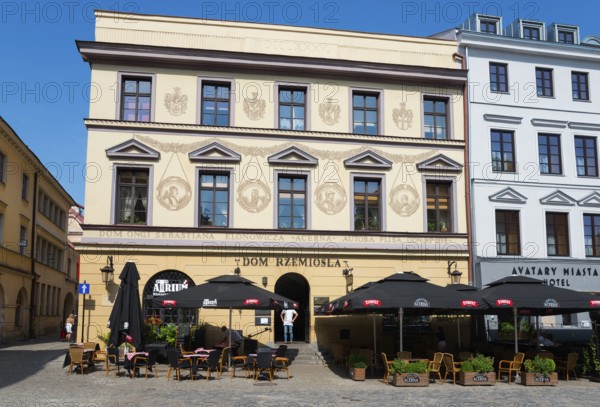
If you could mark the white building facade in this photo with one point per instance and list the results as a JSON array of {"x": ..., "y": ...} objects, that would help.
[{"x": 534, "y": 122}]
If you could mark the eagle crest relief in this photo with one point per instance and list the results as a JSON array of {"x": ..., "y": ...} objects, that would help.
[
  {"x": 403, "y": 117},
  {"x": 176, "y": 102},
  {"x": 254, "y": 107},
  {"x": 329, "y": 112}
]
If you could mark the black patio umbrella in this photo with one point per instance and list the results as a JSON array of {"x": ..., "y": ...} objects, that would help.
[
  {"x": 226, "y": 292},
  {"x": 408, "y": 290},
  {"x": 533, "y": 296},
  {"x": 473, "y": 291},
  {"x": 126, "y": 316}
]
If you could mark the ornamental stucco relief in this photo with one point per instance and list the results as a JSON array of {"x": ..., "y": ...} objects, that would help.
[
  {"x": 329, "y": 112},
  {"x": 176, "y": 102}
]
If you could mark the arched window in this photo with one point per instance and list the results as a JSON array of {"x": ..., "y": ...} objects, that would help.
[{"x": 163, "y": 283}]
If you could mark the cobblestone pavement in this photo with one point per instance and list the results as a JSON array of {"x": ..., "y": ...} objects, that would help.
[{"x": 32, "y": 374}]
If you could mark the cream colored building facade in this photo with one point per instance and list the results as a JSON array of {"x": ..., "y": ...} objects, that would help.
[
  {"x": 287, "y": 150},
  {"x": 38, "y": 267}
]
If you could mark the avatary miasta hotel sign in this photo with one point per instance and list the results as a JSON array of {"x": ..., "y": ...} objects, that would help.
[{"x": 580, "y": 276}]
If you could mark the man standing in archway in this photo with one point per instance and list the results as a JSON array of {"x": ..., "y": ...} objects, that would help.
[{"x": 288, "y": 316}]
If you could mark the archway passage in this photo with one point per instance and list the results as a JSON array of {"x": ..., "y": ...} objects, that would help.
[
  {"x": 68, "y": 306},
  {"x": 295, "y": 287}
]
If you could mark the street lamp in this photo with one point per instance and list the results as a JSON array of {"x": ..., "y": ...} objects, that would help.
[
  {"x": 237, "y": 269},
  {"x": 108, "y": 270},
  {"x": 454, "y": 275}
]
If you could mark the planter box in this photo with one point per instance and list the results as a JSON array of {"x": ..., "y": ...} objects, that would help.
[
  {"x": 358, "y": 373},
  {"x": 411, "y": 379},
  {"x": 538, "y": 379},
  {"x": 477, "y": 379}
]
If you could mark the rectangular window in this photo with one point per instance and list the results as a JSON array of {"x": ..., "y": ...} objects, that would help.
[
  {"x": 132, "y": 196},
  {"x": 503, "y": 151},
  {"x": 136, "y": 97},
  {"x": 214, "y": 200},
  {"x": 543, "y": 82},
  {"x": 2, "y": 168},
  {"x": 569, "y": 319},
  {"x": 364, "y": 113},
  {"x": 22, "y": 240},
  {"x": 292, "y": 109},
  {"x": 579, "y": 81},
  {"x": 291, "y": 208},
  {"x": 498, "y": 77},
  {"x": 531, "y": 33},
  {"x": 1, "y": 228},
  {"x": 216, "y": 100},
  {"x": 507, "y": 232},
  {"x": 557, "y": 234},
  {"x": 488, "y": 26},
  {"x": 585, "y": 156},
  {"x": 591, "y": 232},
  {"x": 550, "y": 154},
  {"x": 566, "y": 37},
  {"x": 25, "y": 187},
  {"x": 438, "y": 207},
  {"x": 435, "y": 118},
  {"x": 367, "y": 198}
]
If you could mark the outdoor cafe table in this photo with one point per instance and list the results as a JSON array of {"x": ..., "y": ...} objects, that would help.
[{"x": 129, "y": 358}]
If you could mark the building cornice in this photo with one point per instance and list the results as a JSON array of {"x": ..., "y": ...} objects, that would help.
[
  {"x": 268, "y": 64},
  {"x": 252, "y": 132},
  {"x": 32, "y": 160},
  {"x": 514, "y": 45}
]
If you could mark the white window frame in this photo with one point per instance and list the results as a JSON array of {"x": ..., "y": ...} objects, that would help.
[
  {"x": 206, "y": 169},
  {"x": 232, "y": 97},
  {"x": 308, "y": 199},
  {"x": 120, "y": 76},
  {"x": 113, "y": 206},
  {"x": 380, "y": 115},
  {"x": 382, "y": 200}
]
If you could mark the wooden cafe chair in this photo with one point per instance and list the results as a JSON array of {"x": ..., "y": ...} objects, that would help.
[
  {"x": 387, "y": 366},
  {"x": 451, "y": 366},
  {"x": 511, "y": 366}
]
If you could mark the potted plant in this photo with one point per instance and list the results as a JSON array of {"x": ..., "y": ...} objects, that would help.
[
  {"x": 410, "y": 374},
  {"x": 478, "y": 371},
  {"x": 168, "y": 334},
  {"x": 540, "y": 372},
  {"x": 358, "y": 366}
]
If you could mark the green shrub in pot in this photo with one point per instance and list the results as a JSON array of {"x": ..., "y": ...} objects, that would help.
[{"x": 479, "y": 364}]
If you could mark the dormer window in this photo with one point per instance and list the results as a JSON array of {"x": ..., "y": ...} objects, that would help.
[
  {"x": 564, "y": 34},
  {"x": 488, "y": 26},
  {"x": 566, "y": 37},
  {"x": 531, "y": 33}
]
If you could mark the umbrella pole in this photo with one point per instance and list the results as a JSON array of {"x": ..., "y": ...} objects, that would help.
[
  {"x": 374, "y": 339},
  {"x": 229, "y": 354},
  {"x": 458, "y": 331},
  {"x": 516, "y": 329},
  {"x": 537, "y": 330},
  {"x": 400, "y": 318}
]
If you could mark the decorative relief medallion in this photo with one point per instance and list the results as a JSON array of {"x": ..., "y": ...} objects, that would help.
[
  {"x": 174, "y": 193},
  {"x": 329, "y": 112},
  {"x": 176, "y": 102},
  {"x": 403, "y": 117},
  {"x": 253, "y": 196},
  {"x": 404, "y": 200},
  {"x": 330, "y": 198},
  {"x": 254, "y": 107}
]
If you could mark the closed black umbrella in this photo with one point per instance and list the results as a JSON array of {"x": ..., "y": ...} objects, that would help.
[
  {"x": 408, "y": 290},
  {"x": 126, "y": 316},
  {"x": 532, "y": 295}
]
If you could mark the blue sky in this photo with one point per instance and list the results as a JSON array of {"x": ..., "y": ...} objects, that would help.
[{"x": 44, "y": 84}]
